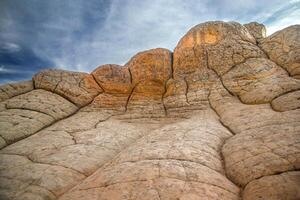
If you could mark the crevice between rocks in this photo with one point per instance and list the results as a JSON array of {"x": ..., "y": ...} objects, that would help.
[
  {"x": 129, "y": 97},
  {"x": 92, "y": 75},
  {"x": 162, "y": 98},
  {"x": 224, "y": 141},
  {"x": 278, "y": 173},
  {"x": 259, "y": 43},
  {"x": 186, "y": 90}
]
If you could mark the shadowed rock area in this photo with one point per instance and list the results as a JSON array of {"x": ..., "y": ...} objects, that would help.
[{"x": 218, "y": 118}]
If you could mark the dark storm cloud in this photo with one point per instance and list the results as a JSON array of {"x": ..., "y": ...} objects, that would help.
[
  {"x": 79, "y": 34},
  {"x": 17, "y": 63}
]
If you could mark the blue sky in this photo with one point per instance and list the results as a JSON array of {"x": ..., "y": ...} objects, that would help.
[{"x": 80, "y": 35}]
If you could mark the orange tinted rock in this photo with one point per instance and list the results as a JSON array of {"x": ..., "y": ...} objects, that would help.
[
  {"x": 175, "y": 98},
  {"x": 216, "y": 45},
  {"x": 150, "y": 71},
  {"x": 154, "y": 65},
  {"x": 146, "y": 100},
  {"x": 113, "y": 78},
  {"x": 109, "y": 102}
]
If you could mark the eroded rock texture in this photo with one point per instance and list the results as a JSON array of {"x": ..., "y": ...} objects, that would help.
[
  {"x": 79, "y": 88},
  {"x": 10, "y": 90},
  {"x": 283, "y": 47},
  {"x": 217, "y": 119},
  {"x": 257, "y": 30}
]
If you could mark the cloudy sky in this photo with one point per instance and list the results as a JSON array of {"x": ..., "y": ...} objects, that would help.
[{"x": 80, "y": 35}]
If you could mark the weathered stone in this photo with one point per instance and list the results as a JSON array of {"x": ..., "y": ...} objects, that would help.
[
  {"x": 178, "y": 161},
  {"x": 225, "y": 121},
  {"x": 13, "y": 89},
  {"x": 199, "y": 86},
  {"x": 257, "y": 30},
  {"x": 146, "y": 101},
  {"x": 240, "y": 117},
  {"x": 289, "y": 101},
  {"x": 175, "y": 98},
  {"x": 43, "y": 101},
  {"x": 17, "y": 123},
  {"x": 283, "y": 47},
  {"x": 267, "y": 142},
  {"x": 281, "y": 186},
  {"x": 116, "y": 82},
  {"x": 75, "y": 147},
  {"x": 79, "y": 88},
  {"x": 258, "y": 80},
  {"x": 2, "y": 142},
  {"x": 261, "y": 152},
  {"x": 113, "y": 78},
  {"x": 151, "y": 65},
  {"x": 27, "y": 113},
  {"x": 114, "y": 103},
  {"x": 54, "y": 179},
  {"x": 148, "y": 72},
  {"x": 216, "y": 45},
  {"x": 188, "y": 94}
]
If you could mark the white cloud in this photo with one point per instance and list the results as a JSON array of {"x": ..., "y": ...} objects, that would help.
[
  {"x": 285, "y": 16},
  {"x": 292, "y": 19}
]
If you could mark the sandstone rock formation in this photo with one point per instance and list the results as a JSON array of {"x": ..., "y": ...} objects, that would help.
[
  {"x": 217, "y": 119},
  {"x": 10, "y": 90},
  {"x": 257, "y": 30},
  {"x": 283, "y": 47}
]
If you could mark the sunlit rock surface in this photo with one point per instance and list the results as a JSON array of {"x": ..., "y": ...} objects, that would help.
[{"x": 218, "y": 118}]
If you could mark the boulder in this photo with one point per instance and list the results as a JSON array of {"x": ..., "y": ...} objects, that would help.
[
  {"x": 13, "y": 89},
  {"x": 283, "y": 47},
  {"x": 113, "y": 79},
  {"x": 146, "y": 100},
  {"x": 215, "y": 45},
  {"x": 259, "y": 80},
  {"x": 280, "y": 186},
  {"x": 79, "y": 88},
  {"x": 288, "y": 101},
  {"x": 26, "y": 114},
  {"x": 151, "y": 65},
  {"x": 257, "y": 30}
]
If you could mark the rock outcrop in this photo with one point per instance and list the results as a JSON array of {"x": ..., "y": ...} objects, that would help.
[
  {"x": 217, "y": 119},
  {"x": 283, "y": 47},
  {"x": 10, "y": 90}
]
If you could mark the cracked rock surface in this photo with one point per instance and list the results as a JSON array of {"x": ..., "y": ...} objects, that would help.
[{"x": 217, "y": 119}]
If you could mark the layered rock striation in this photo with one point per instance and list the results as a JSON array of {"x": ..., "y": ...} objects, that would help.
[{"x": 218, "y": 118}]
